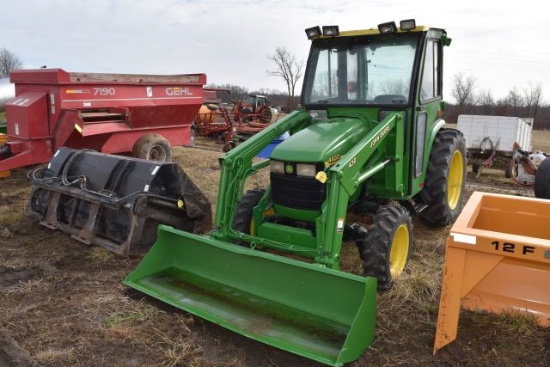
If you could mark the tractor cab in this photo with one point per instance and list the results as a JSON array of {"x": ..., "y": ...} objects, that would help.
[
  {"x": 256, "y": 101},
  {"x": 385, "y": 66}
]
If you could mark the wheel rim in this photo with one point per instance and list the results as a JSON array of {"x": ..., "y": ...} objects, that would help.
[
  {"x": 399, "y": 250},
  {"x": 455, "y": 180},
  {"x": 157, "y": 153},
  {"x": 266, "y": 213}
]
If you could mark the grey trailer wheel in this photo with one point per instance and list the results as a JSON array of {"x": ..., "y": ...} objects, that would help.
[{"x": 153, "y": 147}]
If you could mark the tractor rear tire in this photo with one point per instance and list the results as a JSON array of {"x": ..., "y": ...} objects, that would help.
[
  {"x": 153, "y": 147},
  {"x": 445, "y": 180},
  {"x": 387, "y": 245},
  {"x": 542, "y": 180},
  {"x": 242, "y": 221},
  {"x": 266, "y": 115}
]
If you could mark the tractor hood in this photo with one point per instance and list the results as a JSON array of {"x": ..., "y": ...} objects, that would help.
[{"x": 324, "y": 141}]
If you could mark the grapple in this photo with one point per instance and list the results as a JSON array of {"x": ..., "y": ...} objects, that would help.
[{"x": 115, "y": 201}]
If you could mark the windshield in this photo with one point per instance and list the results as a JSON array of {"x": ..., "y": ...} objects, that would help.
[{"x": 360, "y": 70}]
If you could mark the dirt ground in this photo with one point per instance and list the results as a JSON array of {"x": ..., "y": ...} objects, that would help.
[{"x": 63, "y": 304}]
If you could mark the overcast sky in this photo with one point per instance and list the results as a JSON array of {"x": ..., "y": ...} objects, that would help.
[{"x": 502, "y": 45}]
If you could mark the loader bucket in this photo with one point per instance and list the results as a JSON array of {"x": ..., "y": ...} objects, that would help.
[
  {"x": 497, "y": 260},
  {"x": 114, "y": 201},
  {"x": 318, "y": 313}
]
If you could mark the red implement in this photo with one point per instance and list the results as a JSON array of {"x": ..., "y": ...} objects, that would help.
[{"x": 104, "y": 112}]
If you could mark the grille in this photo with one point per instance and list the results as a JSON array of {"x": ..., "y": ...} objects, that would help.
[{"x": 297, "y": 192}]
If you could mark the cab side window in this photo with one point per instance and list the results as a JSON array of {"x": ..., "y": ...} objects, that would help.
[{"x": 430, "y": 76}]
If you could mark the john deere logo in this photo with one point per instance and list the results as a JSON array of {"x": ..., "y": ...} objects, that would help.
[{"x": 289, "y": 169}]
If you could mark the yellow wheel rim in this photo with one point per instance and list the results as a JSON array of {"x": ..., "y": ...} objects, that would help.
[
  {"x": 455, "y": 180},
  {"x": 266, "y": 213},
  {"x": 399, "y": 250}
]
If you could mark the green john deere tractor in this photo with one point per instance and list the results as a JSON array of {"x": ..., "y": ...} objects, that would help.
[{"x": 367, "y": 137}]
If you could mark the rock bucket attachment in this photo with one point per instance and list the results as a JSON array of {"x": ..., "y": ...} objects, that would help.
[
  {"x": 319, "y": 313},
  {"x": 114, "y": 201},
  {"x": 497, "y": 260}
]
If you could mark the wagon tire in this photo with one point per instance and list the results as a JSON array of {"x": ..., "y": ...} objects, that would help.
[
  {"x": 153, "y": 147},
  {"x": 509, "y": 168},
  {"x": 228, "y": 146},
  {"x": 542, "y": 180},
  {"x": 387, "y": 246},
  {"x": 445, "y": 181}
]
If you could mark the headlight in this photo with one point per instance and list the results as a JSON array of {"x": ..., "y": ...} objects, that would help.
[
  {"x": 308, "y": 170},
  {"x": 277, "y": 167}
]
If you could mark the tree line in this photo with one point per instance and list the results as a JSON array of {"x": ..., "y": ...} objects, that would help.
[{"x": 527, "y": 102}]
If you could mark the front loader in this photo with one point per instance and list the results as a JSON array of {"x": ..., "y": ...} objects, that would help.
[{"x": 368, "y": 138}]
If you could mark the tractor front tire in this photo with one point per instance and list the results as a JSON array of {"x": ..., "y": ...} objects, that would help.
[
  {"x": 542, "y": 180},
  {"x": 242, "y": 221},
  {"x": 387, "y": 245},
  {"x": 153, "y": 147},
  {"x": 445, "y": 180}
]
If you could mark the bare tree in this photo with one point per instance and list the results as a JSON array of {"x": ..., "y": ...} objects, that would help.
[
  {"x": 463, "y": 89},
  {"x": 289, "y": 69},
  {"x": 8, "y": 62},
  {"x": 485, "y": 101},
  {"x": 514, "y": 100},
  {"x": 532, "y": 98}
]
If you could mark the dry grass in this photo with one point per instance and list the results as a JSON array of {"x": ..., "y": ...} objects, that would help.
[
  {"x": 541, "y": 140},
  {"x": 52, "y": 355},
  {"x": 11, "y": 218}
]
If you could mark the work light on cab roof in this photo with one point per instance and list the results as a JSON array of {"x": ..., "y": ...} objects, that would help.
[
  {"x": 390, "y": 27},
  {"x": 330, "y": 30},
  {"x": 384, "y": 28}
]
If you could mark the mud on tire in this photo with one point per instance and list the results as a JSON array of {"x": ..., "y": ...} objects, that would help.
[
  {"x": 387, "y": 245},
  {"x": 445, "y": 179}
]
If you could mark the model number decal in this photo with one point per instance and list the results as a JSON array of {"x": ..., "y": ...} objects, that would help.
[
  {"x": 104, "y": 91},
  {"x": 380, "y": 136},
  {"x": 513, "y": 248}
]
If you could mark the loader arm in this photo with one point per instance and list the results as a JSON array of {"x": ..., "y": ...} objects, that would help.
[
  {"x": 349, "y": 174},
  {"x": 237, "y": 166}
]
